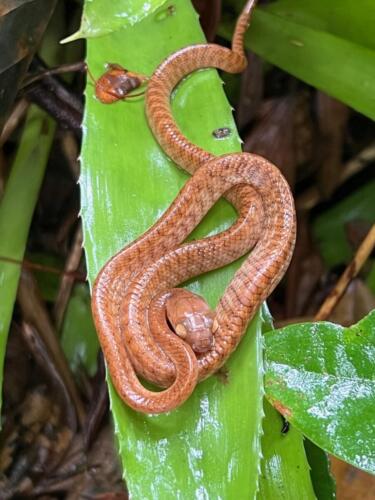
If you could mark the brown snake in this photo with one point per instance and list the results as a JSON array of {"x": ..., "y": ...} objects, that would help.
[{"x": 132, "y": 290}]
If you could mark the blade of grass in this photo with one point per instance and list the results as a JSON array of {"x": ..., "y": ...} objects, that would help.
[{"x": 17, "y": 207}]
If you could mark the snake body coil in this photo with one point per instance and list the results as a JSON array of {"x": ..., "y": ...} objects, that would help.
[{"x": 131, "y": 290}]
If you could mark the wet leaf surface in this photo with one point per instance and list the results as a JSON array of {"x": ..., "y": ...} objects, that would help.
[
  {"x": 325, "y": 385},
  {"x": 126, "y": 184}
]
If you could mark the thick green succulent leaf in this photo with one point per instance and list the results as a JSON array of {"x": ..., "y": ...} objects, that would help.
[
  {"x": 211, "y": 445},
  {"x": 321, "y": 377},
  {"x": 101, "y": 17},
  {"x": 284, "y": 468}
]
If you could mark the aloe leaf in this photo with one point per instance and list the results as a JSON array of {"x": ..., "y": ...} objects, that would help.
[
  {"x": 211, "y": 445},
  {"x": 101, "y": 17},
  {"x": 326, "y": 387}
]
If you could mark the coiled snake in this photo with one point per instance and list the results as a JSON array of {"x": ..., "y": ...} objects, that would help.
[{"x": 135, "y": 288}]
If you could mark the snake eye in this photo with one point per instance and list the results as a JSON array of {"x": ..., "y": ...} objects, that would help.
[{"x": 181, "y": 331}]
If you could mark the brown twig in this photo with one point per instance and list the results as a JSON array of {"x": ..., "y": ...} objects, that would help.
[
  {"x": 58, "y": 70},
  {"x": 44, "y": 359},
  {"x": 55, "y": 98},
  {"x": 350, "y": 272},
  {"x": 70, "y": 149},
  {"x": 43, "y": 268},
  {"x": 18, "y": 113},
  {"x": 35, "y": 313},
  {"x": 67, "y": 281},
  {"x": 311, "y": 197}
]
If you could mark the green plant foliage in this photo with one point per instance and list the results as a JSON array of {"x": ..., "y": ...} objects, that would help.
[
  {"x": 48, "y": 282},
  {"x": 210, "y": 447},
  {"x": 284, "y": 472},
  {"x": 314, "y": 40},
  {"x": 323, "y": 482},
  {"x": 15, "y": 217},
  {"x": 78, "y": 338},
  {"x": 325, "y": 385},
  {"x": 330, "y": 227},
  {"x": 22, "y": 189},
  {"x": 332, "y": 17},
  {"x": 101, "y": 17}
]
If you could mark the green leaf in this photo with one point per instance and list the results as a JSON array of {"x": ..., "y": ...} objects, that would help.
[
  {"x": 78, "y": 338},
  {"x": 323, "y": 482},
  {"x": 326, "y": 44},
  {"x": 332, "y": 17},
  {"x": 211, "y": 445},
  {"x": 329, "y": 228},
  {"x": 285, "y": 473},
  {"x": 320, "y": 376},
  {"x": 101, "y": 17},
  {"x": 15, "y": 217},
  {"x": 48, "y": 282}
]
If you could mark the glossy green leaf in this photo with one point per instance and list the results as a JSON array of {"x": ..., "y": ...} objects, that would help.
[
  {"x": 78, "y": 339},
  {"x": 211, "y": 445},
  {"x": 285, "y": 473},
  {"x": 330, "y": 227},
  {"x": 332, "y": 17},
  {"x": 101, "y": 17},
  {"x": 322, "y": 480},
  {"x": 326, "y": 44},
  {"x": 321, "y": 377},
  {"x": 284, "y": 468}
]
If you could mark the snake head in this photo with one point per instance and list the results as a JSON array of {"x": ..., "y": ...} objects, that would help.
[
  {"x": 191, "y": 319},
  {"x": 196, "y": 330}
]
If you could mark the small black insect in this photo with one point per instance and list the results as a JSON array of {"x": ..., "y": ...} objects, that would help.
[{"x": 285, "y": 427}]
